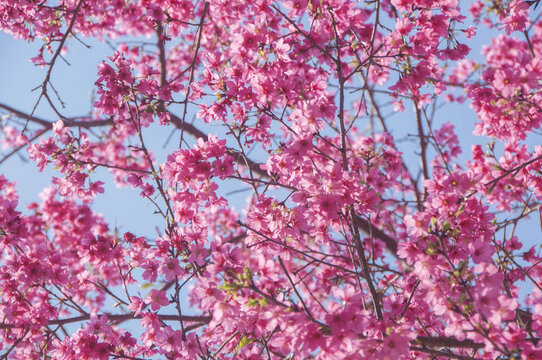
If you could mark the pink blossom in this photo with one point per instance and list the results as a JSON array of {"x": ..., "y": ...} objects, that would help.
[{"x": 156, "y": 299}]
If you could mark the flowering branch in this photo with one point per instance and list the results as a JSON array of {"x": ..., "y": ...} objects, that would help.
[{"x": 118, "y": 317}]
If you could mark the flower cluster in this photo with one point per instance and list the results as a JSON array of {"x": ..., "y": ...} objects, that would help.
[{"x": 294, "y": 213}]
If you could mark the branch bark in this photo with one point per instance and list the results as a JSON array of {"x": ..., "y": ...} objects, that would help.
[
  {"x": 120, "y": 317},
  {"x": 70, "y": 122}
]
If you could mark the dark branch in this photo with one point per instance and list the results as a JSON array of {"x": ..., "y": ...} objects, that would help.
[
  {"x": 119, "y": 317},
  {"x": 70, "y": 122}
]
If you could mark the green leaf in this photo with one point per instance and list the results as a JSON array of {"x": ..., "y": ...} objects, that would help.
[
  {"x": 242, "y": 343},
  {"x": 490, "y": 189},
  {"x": 229, "y": 287},
  {"x": 253, "y": 302},
  {"x": 146, "y": 286},
  {"x": 445, "y": 225}
]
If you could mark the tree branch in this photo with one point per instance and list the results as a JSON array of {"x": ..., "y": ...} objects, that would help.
[
  {"x": 442, "y": 353},
  {"x": 119, "y": 317},
  {"x": 69, "y": 122},
  {"x": 423, "y": 145},
  {"x": 53, "y": 60},
  {"x": 365, "y": 267},
  {"x": 193, "y": 67},
  {"x": 446, "y": 341}
]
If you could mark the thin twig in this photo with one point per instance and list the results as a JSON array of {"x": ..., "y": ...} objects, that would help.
[
  {"x": 192, "y": 69},
  {"x": 55, "y": 56}
]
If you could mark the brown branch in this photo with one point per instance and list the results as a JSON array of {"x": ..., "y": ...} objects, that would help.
[
  {"x": 108, "y": 166},
  {"x": 292, "y": 285},
  {"x": 197, "y": 133},
  {"x": 369, "y": 229},
  {"x": 14, "y": 345},
  {"x": 365, "y": 267},
  {"x": 382, "y": 121},
  {"x": 341, "y": 80},
  {"x": 409, "y": 299},
  {"x": 529, "y": 44},
  {"x": 157, "y": 179},
  {"x": 69, "y": 122},
  {"x": 120, "y": 317},
  {"x": 193, "y": 67},
  {"x": 514, "y": 170},
  {"x": 443, "y": 353},
  {"x": 161, "y": 52},
  {"x": 26, "y": 116},
  {"x": 301, "y": 252},
  {"x": 423, "y": 146},
  {"x": 53, "y": 60},
  {"x": 61, "y": 45},
  {"x": 18, "y": 148},
  {"x": 444, "y": 341}
]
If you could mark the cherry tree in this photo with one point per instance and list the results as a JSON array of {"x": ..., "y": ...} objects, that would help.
[{"x": 345, "y": 249}]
